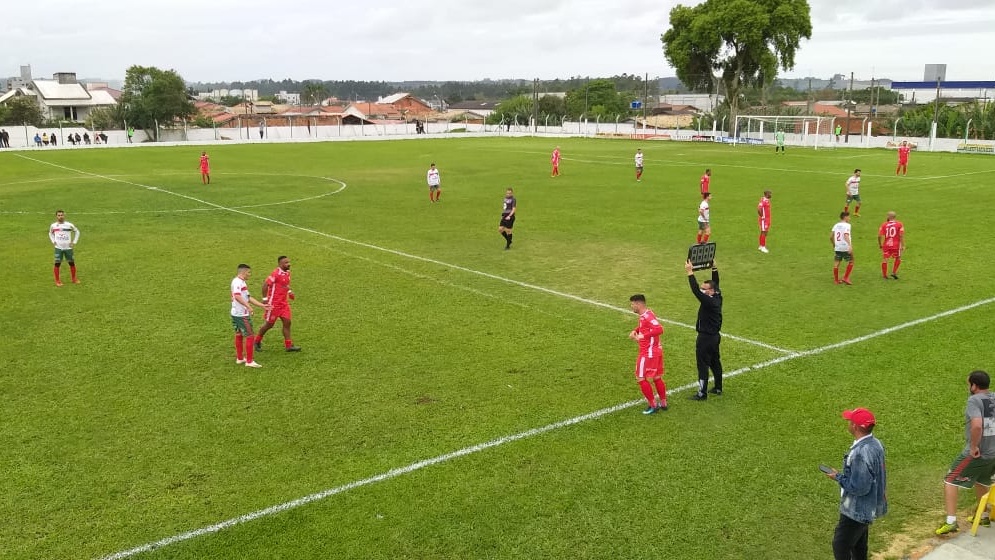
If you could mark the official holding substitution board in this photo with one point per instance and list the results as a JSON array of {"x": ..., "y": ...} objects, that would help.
[{"x": 708, "y": 326}]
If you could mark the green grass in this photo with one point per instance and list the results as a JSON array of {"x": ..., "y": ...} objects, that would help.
[{"x": 126, "y": 421}]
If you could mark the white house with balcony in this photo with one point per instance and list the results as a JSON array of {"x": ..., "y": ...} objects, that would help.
[{"x": 62, "y": 97}]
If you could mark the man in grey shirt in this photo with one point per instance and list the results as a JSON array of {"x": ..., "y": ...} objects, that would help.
[{"x": 976, "y": 463}]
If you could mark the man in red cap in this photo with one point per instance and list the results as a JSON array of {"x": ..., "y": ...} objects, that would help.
[{"x": 863, "y": 482}]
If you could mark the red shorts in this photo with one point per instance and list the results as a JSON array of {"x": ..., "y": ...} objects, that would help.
[
  {"x": 279, "y": 311},
  {"x": 903, "y": 162},
  {"x": 648, "y": 368},
  {"x": 764, "y": 226},
  {"x": 205, "y": 170},
  {"x": 890, "y": 252}
]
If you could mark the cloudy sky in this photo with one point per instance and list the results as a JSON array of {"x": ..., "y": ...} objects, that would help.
[{"x": 227, "y": 40}]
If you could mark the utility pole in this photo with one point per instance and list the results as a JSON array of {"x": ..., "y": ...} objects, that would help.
[
  {"x": 535, "y": 105},
  {"x": 936, "y": 114},
  {"x": 646, "y": 94},
  {"x": 808, "y": 106},
  {"x": 849, "y": 106}
]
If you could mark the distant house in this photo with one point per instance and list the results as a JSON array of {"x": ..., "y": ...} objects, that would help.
[
  {"x": 374, "y": 111},
  {"x": 63, "y": 98},
  {"x": 406, "y": 104},
  {"x": 484, "y": 108}
]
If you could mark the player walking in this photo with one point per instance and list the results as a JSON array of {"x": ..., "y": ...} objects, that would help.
[
  {"x": 853, "y": 193},
  {"x": 704, "y": 214},
  {"x": 241, "y": 316},
  {"x": 278, "y": 296},
  {"x": 842, "y": 244},
  {"x": 555, "y": 160},
  {"x": 508, "y": 210},
  {"x": 903, "y": 158},
  {"x": 763, "y": 218},
  {"x": 649, "y": 364},
  {"x": 434, "y": 183},
  {"x": 64, "y": 237},
  {"x": 706, "y": 179},
  {"x": 639, "y": 165},
  {"x": 891, "y": 241},
  {"x": 205, "y": 169}
]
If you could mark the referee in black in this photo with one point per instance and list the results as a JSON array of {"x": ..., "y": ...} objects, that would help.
[{"x": 708, "y": 326}]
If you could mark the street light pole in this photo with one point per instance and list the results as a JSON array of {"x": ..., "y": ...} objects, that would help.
[{"x": 849, "y": 105}]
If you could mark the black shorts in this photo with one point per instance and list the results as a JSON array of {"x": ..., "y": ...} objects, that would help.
[{"x": 508, "y": 222}]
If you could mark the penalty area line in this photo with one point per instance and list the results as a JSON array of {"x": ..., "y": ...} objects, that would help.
[
  {"x": 394, "y": 473},
  {"x": 411, "y": 256}
]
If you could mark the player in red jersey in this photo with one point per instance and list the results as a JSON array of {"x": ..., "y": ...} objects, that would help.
[
  {"x": 763, "y": 218},
  {"x": 649, "y": 364},
  {"x": 706, "y": 179},
  {"x": 891, "y": 241},
  {"x": 278, "y": 295},
  {"x": 205, "y": 169},
  {"x": 903, "y": 158},
  {"x": 555, "y": 160}
]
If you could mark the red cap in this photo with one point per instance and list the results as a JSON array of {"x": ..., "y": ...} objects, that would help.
[{"x": 860, "y": 417}]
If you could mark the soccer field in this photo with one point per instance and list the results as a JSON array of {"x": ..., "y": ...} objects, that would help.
[{"x": 455, "y": 400}]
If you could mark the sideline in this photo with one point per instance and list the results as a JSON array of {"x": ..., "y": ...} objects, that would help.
[{"x": 394, "y": 473}]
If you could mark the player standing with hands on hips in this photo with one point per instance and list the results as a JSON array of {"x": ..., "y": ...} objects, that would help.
[
  {"x": 763, "y": 219},
  {"x": 708, "y": 325},
  {"x": 64, "y": 236}
]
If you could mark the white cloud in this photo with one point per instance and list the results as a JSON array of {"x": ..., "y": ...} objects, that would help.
[{"x": 460, "y": 39}]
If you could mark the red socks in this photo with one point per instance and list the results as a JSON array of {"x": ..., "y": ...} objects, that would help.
[
  {"x": 884, "y": 269},
  {"x": 238, "y": 346},
  {"x": 647, "y": 390},
  {"x": 55, "y": 271},
  {"x": 836, "y": 274},
  {"x": 898, "y": 262},
  {"x": 704, "y": 238},
  {"x": 763, "y": 239},
  {"x": 849, "y": 267},
  {"x": 287, "y": 343},
  {"x": 72, "y": 271},
  {"x": 249, "y": 348},
  {"x": 661, "y": 389}
]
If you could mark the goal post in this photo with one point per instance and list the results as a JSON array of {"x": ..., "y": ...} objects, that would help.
[{"x": 810, "y": 131}]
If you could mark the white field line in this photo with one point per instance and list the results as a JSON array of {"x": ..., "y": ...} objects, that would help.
[
  {"x": 685, "y": 163},
  {"x": 182, "y": 210},
  {"x": 394, "y": 473},
  {"x": 403, "y": 254}
]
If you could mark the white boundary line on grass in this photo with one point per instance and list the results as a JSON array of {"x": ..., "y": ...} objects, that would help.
[
  {"x": 394, "y": 473},
  {"x": 395, "y": 252}
]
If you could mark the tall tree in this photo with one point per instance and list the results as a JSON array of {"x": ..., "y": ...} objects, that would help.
[
  {"x": 313, "y": 93},
  {"x": 735, "y": 44},
  {"x": 154, "y": 97},
  {"x": 598, "y": 98},
  {"x": 23, "y": 110}
]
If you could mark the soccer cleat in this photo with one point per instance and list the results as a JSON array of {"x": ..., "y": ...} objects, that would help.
[
  {"x": 662, "y": 408},
  {"x": 75, "y": 280},
  {"x": 58, "y": 284},
  {"x": 947, "y": 528},
  {"x": 650, "y": 410},
  {"x": 259, "y": 345},
  {"x": 239, "y": 361},
  {"x": 763, "y": 249},
  {"x": 253, "y": 364},
  {"x": 857, "y": 215},
  {"x": 715, "y": 391},
  {"x": 985, "y": 521},
  {"x": 293, "y": 348},
  {"x": 699, "y": 396},
  {"x": 895, "y": 276},
  {"x": 847, "y": 281},
  {"x": 836, "y": 282}
]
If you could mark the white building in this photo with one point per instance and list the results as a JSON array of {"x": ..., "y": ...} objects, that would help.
[
  {"x": 217, "y": 94},
  {"x": 704, "y": 102},
  {"x": 925, "y": 92},
  {"x": 62, "y": 98},
  {"x": 289, "y": 98}
]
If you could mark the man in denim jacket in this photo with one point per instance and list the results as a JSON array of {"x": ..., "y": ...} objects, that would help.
[{"x": 863, "y": 485}]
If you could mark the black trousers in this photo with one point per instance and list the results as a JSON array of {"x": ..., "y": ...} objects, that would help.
[
  {"x": 708, "y": 356},
  {"x": 850, "y": 539}
]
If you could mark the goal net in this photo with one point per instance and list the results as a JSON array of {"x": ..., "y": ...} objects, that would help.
[{"x": 799, "y": 130}]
